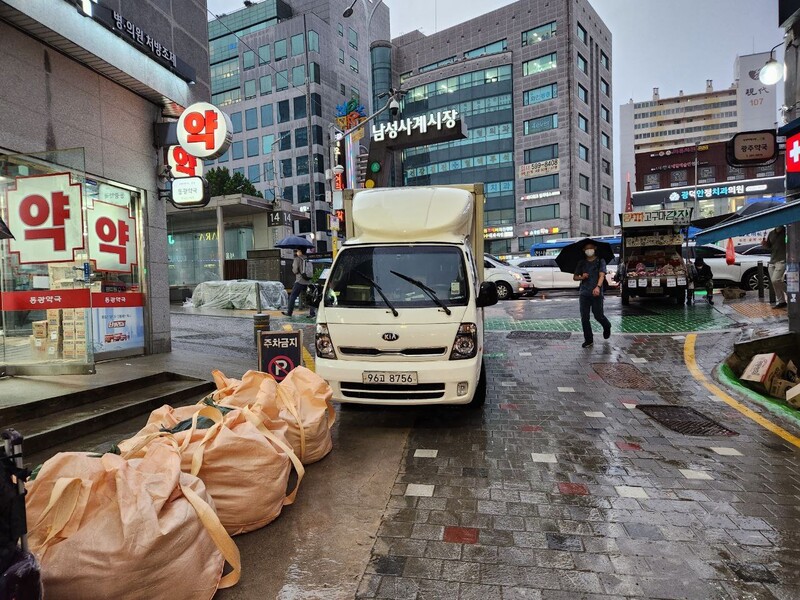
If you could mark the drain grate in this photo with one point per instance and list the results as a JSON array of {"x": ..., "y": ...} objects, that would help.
[
  {"x": 684, "y": 420},
  {"x": 623, "y": 375},
  {"x": 752, "y": 573},
  {"x": 538, "y": 335}
]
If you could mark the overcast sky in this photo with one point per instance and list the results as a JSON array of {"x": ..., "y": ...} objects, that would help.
[{"x": 670, "y": 44}]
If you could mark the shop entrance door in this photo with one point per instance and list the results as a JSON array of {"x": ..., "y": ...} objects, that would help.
[{"x": 45, "y": 271}]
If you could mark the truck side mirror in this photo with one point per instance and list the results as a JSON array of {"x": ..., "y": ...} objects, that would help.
[{"x": 487, "y": 294}]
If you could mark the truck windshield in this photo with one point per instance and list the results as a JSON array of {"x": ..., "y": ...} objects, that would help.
[{"x": 439, "y": 268}]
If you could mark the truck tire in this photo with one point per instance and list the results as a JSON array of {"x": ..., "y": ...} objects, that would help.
[
  {"x": 504, "y": 291},
  {"x": 624, "y": 296},
  {"x": 479, "y": 398}
]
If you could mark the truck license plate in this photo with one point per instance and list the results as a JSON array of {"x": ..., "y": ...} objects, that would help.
[{"x": 391, "y": 377}]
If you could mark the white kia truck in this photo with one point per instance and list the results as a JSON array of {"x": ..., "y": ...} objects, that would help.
[{"x": 401, "y": 316}]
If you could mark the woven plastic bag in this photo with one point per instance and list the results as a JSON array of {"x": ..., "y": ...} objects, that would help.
[
  {"x": 106, "y": 527},
  {"x": 244, "y": 464},
  {"x": 302, "y": 399}
]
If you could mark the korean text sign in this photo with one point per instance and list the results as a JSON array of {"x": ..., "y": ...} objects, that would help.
[
  {"x": 204, "y": 131},
  {"x": 46, "y": 211},
  {"x": 112, "y": 237}
]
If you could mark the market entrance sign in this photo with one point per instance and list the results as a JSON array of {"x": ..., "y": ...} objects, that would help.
[{"x": 678, "y": 216}]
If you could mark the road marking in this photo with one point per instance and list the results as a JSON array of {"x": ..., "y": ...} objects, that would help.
[
  {"x": 691, "y": 364},
  {"x": 308, "y": 360}
]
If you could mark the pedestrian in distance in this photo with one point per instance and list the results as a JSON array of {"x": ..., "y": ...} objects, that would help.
[
  {"x": 776, "y": 243},
  {"x": 702, "y": 277},
  {"x": 591, "y": 272},
  {"x": 302, "y": 270}
]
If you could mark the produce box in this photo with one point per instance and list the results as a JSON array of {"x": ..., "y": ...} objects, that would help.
[
  {"x": 763, "y": 368},
  {"x": 38, "y": 345},
  {"x": 80, "y": 328},
  {"x": 54, "y": 334},
  {"x": 779, "y": 387},
  {"x": 793, "y": 396},
  {"x": 53, "y": 349},
  {"x": 40, "y": 329}
]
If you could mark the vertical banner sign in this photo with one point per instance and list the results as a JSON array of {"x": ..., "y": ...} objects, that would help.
[
  {"x": 45, "y": 211},
  {"x": 112, "y": 237},
  {"x": 755, "y": 101},
  {"x": 183, "y": 164}
]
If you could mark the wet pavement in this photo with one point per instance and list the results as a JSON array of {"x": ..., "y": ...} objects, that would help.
[{"x": 559, "y": 488}]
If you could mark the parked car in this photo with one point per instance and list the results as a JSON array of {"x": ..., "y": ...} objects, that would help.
[
  {"x": 545, "y": 273},
  {"x": 752, "y": 249},
  {"x": 511, "y": 281},
  {"x": 743, "y": 272}
]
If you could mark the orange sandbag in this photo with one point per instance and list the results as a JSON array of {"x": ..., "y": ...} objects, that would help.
[
  {"x": 106, "y": 527},
  {"x": 244, "y": 464},
  {"x": 304, "y": 402}
]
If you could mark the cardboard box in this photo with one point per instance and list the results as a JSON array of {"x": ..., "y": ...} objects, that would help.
[
  {"x": 68, "y": 314},
  {"x": 80, "y": 328},
  {"x": 793, "y": 396},
  {"x": 54, "y": 335},
  {"x": 53, "y": 350},
  {"x": 40, "y": 329},
  {"x": 69, "y": 333},
  {"x": 763, "y": 368},
  {"x": 53, "y": 314},
  {"x": 791, "y": 372},
  {"x": 779, "y": 387},
  {"x": 38, "y": 345}
]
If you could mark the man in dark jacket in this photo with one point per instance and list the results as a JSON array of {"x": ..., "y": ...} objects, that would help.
[
  {"x": 703, "y": 278},
  {"x": 591, "y": 272}
]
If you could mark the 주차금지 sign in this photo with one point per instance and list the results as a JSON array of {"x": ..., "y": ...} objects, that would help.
[{"x": 279, "y": 352}]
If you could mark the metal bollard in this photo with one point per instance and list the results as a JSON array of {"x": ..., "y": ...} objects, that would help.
[
  {"x": 760, "y": 265},
  {"x": 771, "y": 290},
  {"x": 260, "y": 323}
]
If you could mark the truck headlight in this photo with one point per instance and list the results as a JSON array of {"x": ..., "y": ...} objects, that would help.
[
  {"x": 323, "y": 343},
  {"x": 466, "y": 342}
]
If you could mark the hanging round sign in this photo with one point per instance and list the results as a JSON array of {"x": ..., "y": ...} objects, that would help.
[{"x": 205, "y": 131}]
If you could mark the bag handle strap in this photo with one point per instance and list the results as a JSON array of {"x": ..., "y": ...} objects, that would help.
[
  {"x": 145, "y": 440},
  {"x": 210, "y": 412},
  {"x": 287, "y": 402},
  {"x": 298, "y": 466},
  {"x": 220, "y": 537},
  {"x": 63, "y": 502},
  {"x": 331, "y": 412}
]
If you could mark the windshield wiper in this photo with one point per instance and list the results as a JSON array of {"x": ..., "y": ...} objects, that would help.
[
  {"x": 379, "y": 290},
  {"x": 431, "y": 294}
]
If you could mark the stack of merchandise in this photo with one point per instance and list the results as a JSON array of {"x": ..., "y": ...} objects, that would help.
[
  {"x": 73, "y": 324},
  {"x": 39, "y": 338},
  {"x": 769, "y": 375},
  {"x": 54, "y": 334}
]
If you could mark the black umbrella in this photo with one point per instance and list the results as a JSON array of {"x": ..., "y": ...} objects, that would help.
[
  {"x": 295, "y": 242},
  {"x": 569, "y": 257},
  {"x": 5, "y": 232}
]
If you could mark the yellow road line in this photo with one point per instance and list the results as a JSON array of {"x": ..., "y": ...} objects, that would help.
[
  {"x": 691, "y": 364},
  {"x": 308, "y": 360}
]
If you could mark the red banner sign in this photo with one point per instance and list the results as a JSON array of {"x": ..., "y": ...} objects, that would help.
[{"x": 52, "y": 299}]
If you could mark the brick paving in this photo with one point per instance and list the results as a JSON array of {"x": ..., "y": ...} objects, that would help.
[{"x": 560, "y": 489}]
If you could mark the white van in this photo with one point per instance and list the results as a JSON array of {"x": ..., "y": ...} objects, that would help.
[{"x": 401, "y": 320}]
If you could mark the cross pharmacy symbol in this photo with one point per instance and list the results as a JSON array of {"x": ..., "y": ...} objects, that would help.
[{"x": 795, "y": 151}]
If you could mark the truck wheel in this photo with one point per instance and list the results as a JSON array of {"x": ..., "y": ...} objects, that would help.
[
  {"x": 504, "y": 291},
  {"x": 479, "y": 398},
  {"x": 625, "y": 296}
]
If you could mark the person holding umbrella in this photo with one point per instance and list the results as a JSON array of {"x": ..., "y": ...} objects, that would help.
[
  {"x": 586, "y": 259},
  {"x": 301, "y": 268}
]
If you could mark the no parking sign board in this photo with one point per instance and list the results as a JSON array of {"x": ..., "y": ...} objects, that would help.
[{"x": 279, "y": 352}]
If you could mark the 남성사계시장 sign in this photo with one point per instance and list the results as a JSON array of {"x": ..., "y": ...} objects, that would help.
[{"x": 420, "y": 123}]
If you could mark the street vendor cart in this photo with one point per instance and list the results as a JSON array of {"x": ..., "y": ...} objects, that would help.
[{"x": 652, "y": 263}]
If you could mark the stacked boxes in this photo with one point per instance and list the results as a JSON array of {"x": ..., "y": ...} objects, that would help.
[
  {"x": 74, "y": 328},
  {"x": 54, "y": 333},
  {"x": 39, "y": 338}
]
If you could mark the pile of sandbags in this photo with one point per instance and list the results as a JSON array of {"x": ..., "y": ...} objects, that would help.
[{"x": 139, "y": 522}]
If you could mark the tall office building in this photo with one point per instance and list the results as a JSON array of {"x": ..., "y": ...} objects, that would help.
[
  {"x": 533, "y": 83},
  {"x": 262, "y": 57},
  {"x": 662, "y": 124}
]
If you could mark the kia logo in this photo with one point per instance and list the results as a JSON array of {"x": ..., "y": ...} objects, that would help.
[{"x": 390, "y": 337}]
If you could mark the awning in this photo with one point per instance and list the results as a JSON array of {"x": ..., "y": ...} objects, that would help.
[{"x": 767, "y": 219}]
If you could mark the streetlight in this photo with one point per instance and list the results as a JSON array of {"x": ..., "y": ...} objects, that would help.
[
  {"x": 348, "y": 13},
  {"x": 772, "y": 72},
  {"x": 349, "y": 10}
]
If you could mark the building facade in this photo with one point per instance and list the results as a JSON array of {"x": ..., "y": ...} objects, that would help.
[
  {"x": 79, "y": 174},
  {"x": 533, "y": 83},
  {"x": 282, "y": 70}
]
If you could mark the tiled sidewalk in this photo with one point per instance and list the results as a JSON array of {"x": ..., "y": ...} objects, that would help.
[{"x": 561, "y": 488}]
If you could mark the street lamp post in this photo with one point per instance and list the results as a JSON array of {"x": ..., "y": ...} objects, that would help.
[{"x": 347, "y": 13}]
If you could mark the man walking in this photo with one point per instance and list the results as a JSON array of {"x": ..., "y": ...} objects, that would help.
[
  {"x": 301, "y": 280},
  {"x": 591, "y": 272},
  {"x": 776, "y": 242}
]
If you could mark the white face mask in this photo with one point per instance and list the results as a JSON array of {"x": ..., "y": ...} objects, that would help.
[{"x": 589, "y": 252}]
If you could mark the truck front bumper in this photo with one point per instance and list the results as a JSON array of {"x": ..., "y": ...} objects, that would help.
[{"x": 438, "y": 382}]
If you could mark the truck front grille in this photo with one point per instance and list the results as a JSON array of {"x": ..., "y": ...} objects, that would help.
[
  {"x": 387, "y": 391},
  {"x": 355, "y": 351}
]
